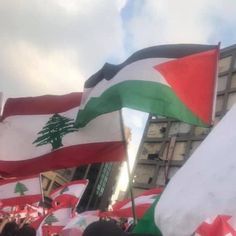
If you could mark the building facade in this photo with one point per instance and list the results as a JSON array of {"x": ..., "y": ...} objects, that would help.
[
  {"x": 98, "y": 193},
  {"x": 168, "y": 143}
]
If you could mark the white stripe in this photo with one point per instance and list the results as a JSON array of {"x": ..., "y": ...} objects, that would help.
[
  {"x": 17, "y": 133},
  {"x": 141, "y": 70}
]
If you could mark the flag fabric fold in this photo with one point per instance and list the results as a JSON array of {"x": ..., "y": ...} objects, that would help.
[
  {"x": 78, "y": 223},
  {"x": 142, "y": 203},
  {"x": 176, "y": 81},
  {"x": 38, "y": 134},
  {"x": 20, "y": 191},
  {"x": 69, "y": 194},
  {"x": 147, "y": 223},
  {"x": 53, "y": 222},
  {"x": 203, "y": 187},
  {"x": 221, "y": 225}
]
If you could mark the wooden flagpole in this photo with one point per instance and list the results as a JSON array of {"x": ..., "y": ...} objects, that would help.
[{"x": 128, "y": 167}]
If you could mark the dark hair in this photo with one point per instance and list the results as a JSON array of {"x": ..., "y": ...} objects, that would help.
[
  {"x": 103, "y": 228},
  {"x": 26, "y": 230},
  {"x": 10, "y": 229}
]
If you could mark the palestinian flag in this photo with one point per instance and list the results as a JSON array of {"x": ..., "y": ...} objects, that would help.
[
  {"x": 69, "y": 194},
  {"x": 147, "y": 223},
  {"x": 20, "y": 191},
  {"x": 176, "y": 81},
  {"x": 37, "y": 134}
]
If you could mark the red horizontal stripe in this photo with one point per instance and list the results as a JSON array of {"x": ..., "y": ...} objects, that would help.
[
  {"x": 21, "y": 200},
  {"x": 65, "y": 158},
  {"x": 48, "y": 104},
  {"x": 140, "y": 211},
  {"x": 12, "y": 180}
]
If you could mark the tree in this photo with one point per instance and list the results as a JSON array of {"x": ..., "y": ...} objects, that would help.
[
  {"x": 56, "y": 127},
  {"x": 50, "y": 219},
  {"x": 20, "y": 188}
]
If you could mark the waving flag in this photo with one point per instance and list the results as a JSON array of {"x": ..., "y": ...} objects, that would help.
[
  {"x": 171, "y": 80},
  {"x": 142, "y": 203},
  {"x": 38, "y": 134},
  {"x": 221, "y": 225},
  {"x": 53, "y": 222},
  {"x": 204, "y": 186},
  {"x": 19, "y": 191},
  {"x": 69, "y": 194},
  {"x": 78, "y": 223}
]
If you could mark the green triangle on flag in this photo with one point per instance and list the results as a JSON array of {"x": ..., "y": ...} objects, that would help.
[{"x": 147, "y": 223}]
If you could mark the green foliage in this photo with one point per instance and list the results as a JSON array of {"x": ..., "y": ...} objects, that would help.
[
  {"x": 50, "y": 219},
  {"x": 20, "y": 188},
  {"x": 56, "y": 127}
]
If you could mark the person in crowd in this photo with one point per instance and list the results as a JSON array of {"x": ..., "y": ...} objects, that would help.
[
  {"x": 10, "y": 229},
  {"x": 107, "y": 228},
  {"x": 26, "y": 230}
]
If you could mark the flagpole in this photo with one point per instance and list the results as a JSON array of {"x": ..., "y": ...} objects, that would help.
[
  {"x": 128, "y": 168},
  {"x": 41, "y": 186}
]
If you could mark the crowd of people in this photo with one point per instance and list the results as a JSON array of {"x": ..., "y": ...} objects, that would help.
[{"x": 10, "y": 227}]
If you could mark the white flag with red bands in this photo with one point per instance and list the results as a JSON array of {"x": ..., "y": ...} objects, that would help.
[
  {"x": 142, "y": 203},
  {"x": 69, "y": 194},
  {"x": 38, "y": 134},
  {"x": 53, "y": 222},
  {"x": 19, "y": 191}
]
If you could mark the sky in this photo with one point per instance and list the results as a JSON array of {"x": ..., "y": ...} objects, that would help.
[{"x": 53, "y": 46}]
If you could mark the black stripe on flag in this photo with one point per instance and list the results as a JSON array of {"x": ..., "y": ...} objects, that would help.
[{"x": 108, "y": 71}]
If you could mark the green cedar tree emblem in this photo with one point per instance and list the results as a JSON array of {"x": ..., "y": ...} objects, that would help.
[
  {"x": 50, "y": 219},
  {"x": 56, "y": 127},
  {"x": 65, "y": 189},
  {"x": 20, "y": 188}
]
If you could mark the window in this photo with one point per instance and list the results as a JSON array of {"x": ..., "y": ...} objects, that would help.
[
  {"x": 231, "y": 100},
  {"x": 219, "y": 103},
  {"x": 224, "y": 64},
  {"x": 156, "y": 130},
  {"x": 233, "y": 82},
  {"x": 103, "y": 179},
  {"x": 222, "y": 81},
  {"x": 198, "y": 131},
  {"x": 178, "y": 128},
  {"x": 149, "y": 148},
  {"x": 143, "y": 173},
  {"x": 179, "y": 151}
]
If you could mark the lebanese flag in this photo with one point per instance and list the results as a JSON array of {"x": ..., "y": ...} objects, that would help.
[
  {"x": 142, "y": 203},
  {"x": 176, "y": 81},
  {"x": 69, "y": 194},
  {"x": 221, "y": 225},
  {"x": 79, "y": 223},
  {"x": 54, "y": 221},
  {"x": 37, "y": 134},
  {"x": 20, "y": 191}
]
